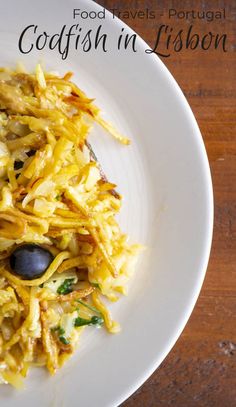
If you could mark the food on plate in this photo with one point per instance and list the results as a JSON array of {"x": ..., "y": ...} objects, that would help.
[{"x": 62, "y": 253}]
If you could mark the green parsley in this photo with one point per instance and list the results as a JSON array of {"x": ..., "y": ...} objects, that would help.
[
  {"x": 66, "y": 286},
  {"x": 61, "y": 336},
  {"x": 90, "y": 307},
  {"x": 64, "y": 340},
  {"x": 95, "y": 320}
]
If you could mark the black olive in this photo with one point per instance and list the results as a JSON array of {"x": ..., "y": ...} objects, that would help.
[{"x": 30, "y": 261}]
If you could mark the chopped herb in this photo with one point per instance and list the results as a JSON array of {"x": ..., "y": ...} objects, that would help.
[
  {"x": 64, "y": 340},
  {"x": 61, "y": 336},
  {"x": 81, "y": 321},
  {"x": 58, "y": 329},
  {"x": 65, "y": 287},
  {"x": 98, "y": 321},
  {"x": 61, "y": 331},
  {"x": 89, "y": 306}
]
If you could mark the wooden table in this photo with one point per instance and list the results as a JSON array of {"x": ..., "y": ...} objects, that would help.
[{"x": 201, "y": 368}]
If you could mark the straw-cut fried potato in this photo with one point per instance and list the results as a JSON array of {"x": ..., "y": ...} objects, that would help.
[{"x": 53, "y": 193}]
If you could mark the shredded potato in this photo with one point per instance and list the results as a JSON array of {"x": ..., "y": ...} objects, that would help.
[{"x": 53, "y": 193}]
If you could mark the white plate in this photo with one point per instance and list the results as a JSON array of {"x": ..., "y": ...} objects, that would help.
[{"x": 165, "y": 178}]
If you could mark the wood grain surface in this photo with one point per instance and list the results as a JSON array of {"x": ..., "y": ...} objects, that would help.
[{"x": 201, "y": 368}]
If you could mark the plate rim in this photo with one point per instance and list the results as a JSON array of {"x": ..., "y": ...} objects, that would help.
[{"x": 155, "y": 60}]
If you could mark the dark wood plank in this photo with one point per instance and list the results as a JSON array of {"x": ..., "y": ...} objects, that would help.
[{"x": 201, "y": 369}]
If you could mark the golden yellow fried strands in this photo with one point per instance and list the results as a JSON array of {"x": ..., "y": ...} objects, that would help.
[
  {"x": 33, "y": 140},
  {"x": 49, "y": 345},
  {"x": 103, "y": 251},
  {"x": 110, "y": 129},
  {"x": 76, "y": 294},
  {"x": 11, "y": 227},
  {"x": 70, "y": 263},
  {"x": 54, "y": 193},
  {"x": 112, "y": 326},
  {"x": 13, "y": 378},
  {"x": 22, "y": 292}
]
